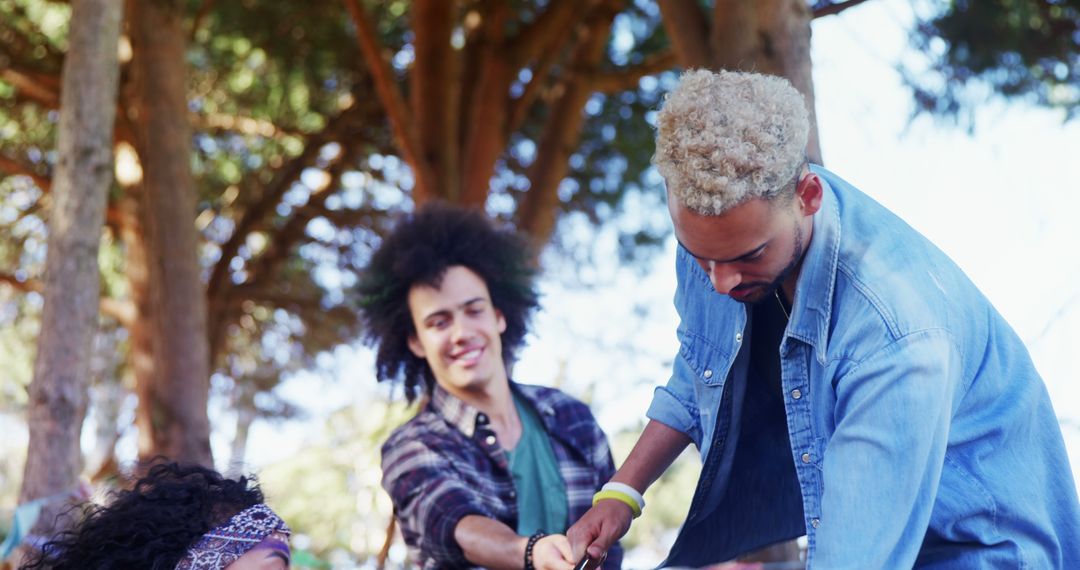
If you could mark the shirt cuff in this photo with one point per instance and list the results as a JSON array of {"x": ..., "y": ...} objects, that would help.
[
  {"x": 446, "y": 549},
  {"x": 670, "y": 411}
]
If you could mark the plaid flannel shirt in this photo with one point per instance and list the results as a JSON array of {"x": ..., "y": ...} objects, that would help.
[{"x": 446, "y": 463}]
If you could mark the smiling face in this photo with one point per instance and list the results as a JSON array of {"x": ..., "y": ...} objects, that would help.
[
  {"x": 458, "y": 332},
  {"x": 754, "y": 248},
  {"x": 270, "y": 554}
]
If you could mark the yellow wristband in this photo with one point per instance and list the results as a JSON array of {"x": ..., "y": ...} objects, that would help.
[{"x": 618, "y": 496}]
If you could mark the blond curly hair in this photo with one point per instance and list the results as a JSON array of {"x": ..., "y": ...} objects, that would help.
[{"x": 724, "y": 138}]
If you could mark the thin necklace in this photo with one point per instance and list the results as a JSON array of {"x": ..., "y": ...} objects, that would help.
[{"x": 776, "y": 293}]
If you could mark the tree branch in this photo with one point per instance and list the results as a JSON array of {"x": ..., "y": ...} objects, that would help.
[
  {"x": 223, "y": 308},
  {"x": 26, "y": 285},
  {"x": 16, "y": 168},
  {"x": 274, "y": 299},
  {"x": 31, "y": 37},
  {"x": 822, "y": 9},
  {"x": 386, "y": 86},
  {"x": 204, "y": 9},
  {"x": 220, "y": 289},
  {"x": 244, "y": 125},
  {"x": 32, "y": 87},
  {"x": 627, "y": 78},
  {"x": 519, "y": 109},
  {"x": 272, "y": 192},
  {"x": 536, "y": 215},
  {"x": 277, "y": 251},
  {"x": 540, "y": 36},
  {"x": 122, "y": 311}
]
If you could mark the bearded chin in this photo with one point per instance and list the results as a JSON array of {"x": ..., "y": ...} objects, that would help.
[{"x": 796, "y": 256}]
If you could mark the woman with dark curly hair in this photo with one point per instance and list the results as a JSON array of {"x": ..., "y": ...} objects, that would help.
[
  {"x": 490, "y": 472},
  {"x": 175, "y": 517}
]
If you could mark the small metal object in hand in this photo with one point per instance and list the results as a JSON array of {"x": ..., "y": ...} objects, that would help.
[{"x": 590, "y": 563}]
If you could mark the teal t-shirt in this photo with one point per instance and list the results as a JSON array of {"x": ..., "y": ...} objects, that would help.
[{"x": 541, "y": 492}]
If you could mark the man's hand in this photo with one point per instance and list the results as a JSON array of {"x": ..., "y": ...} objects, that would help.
[
  {"x": 599, "y": 528},
  {"x": 552, "y": 553}
]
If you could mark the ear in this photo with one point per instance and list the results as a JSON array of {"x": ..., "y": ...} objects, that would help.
[
  {"x": 416, "y": 347},
  {"x": 500, "y": 321},
  {"x": 809, "y": 192}
]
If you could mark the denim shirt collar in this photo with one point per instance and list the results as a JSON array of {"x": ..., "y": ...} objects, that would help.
[{"x": 812, "y": 311}]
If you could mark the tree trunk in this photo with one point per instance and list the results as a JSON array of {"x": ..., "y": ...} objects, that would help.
[
  {"x": 172, "y": 415},
  {"x": 784, "y": 49},
  {"x": 687, "y": 28},
  {"x": 434, "y": 92},
  {"x": 734, "y": 38},
  {"x": 137, "y": 271},
  {"x": 486, "y": 131},
  {"x": 58, "y": 391}
]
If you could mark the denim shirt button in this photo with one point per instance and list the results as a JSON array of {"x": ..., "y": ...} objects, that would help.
[
  {"x": 738, "y": 337},
  {"x": 490, "y": 440},
  {"x": 707, "y": 374},
  {"x": 796, "y": 394},
  {"x": 815, "y": 523},
  {"x": 806, "y": 458}
]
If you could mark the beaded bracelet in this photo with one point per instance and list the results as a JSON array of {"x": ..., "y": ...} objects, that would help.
[{"x": 536, "y": 536}]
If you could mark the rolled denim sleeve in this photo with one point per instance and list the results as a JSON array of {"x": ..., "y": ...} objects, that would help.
[
  {"x": 883, "y": 465},
  {"x": 675, "y": 404}
]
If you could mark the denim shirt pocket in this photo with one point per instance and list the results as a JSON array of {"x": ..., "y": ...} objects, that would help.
[{"x": 708, "y": 363}]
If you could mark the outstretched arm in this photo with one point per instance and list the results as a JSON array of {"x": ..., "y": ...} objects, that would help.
[
  {"x": 491, "y": 544},
  {"x": 606, "y": 522}
]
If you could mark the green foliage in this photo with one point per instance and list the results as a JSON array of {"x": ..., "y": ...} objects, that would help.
[{"x": 1019, "y": 49}]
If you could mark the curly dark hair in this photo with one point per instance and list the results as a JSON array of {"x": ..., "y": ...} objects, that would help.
[
  {"x": 418, "y": 251},
  {"x": 152, "y": 524}
]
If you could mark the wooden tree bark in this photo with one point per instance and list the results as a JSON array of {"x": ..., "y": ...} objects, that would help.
[
  {"x": 784, "y": 35},
  {"x": 140, "y": 333},
  {"x": 58, "y": 392},
  {"x": 172, "y": 415},
  {"x": 435, "y": 92}
]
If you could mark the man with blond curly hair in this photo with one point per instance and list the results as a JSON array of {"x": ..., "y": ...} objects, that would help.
[{"x": 840, "y": 375}]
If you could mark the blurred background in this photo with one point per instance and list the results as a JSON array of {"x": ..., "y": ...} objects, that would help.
[{"x": 262, "y": 147}]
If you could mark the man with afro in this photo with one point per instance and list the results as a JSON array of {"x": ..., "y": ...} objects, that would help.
[
  {"x": 489, "y": 473},
  {"x": 841, "y": 377}
]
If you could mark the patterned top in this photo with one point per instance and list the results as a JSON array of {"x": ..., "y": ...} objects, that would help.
[
  {"x": 446, "y": 463},
  {"x": 225, "y": 544}
]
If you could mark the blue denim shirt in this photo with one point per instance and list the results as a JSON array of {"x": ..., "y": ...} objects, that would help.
[{"x": 920, "y": 433}]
